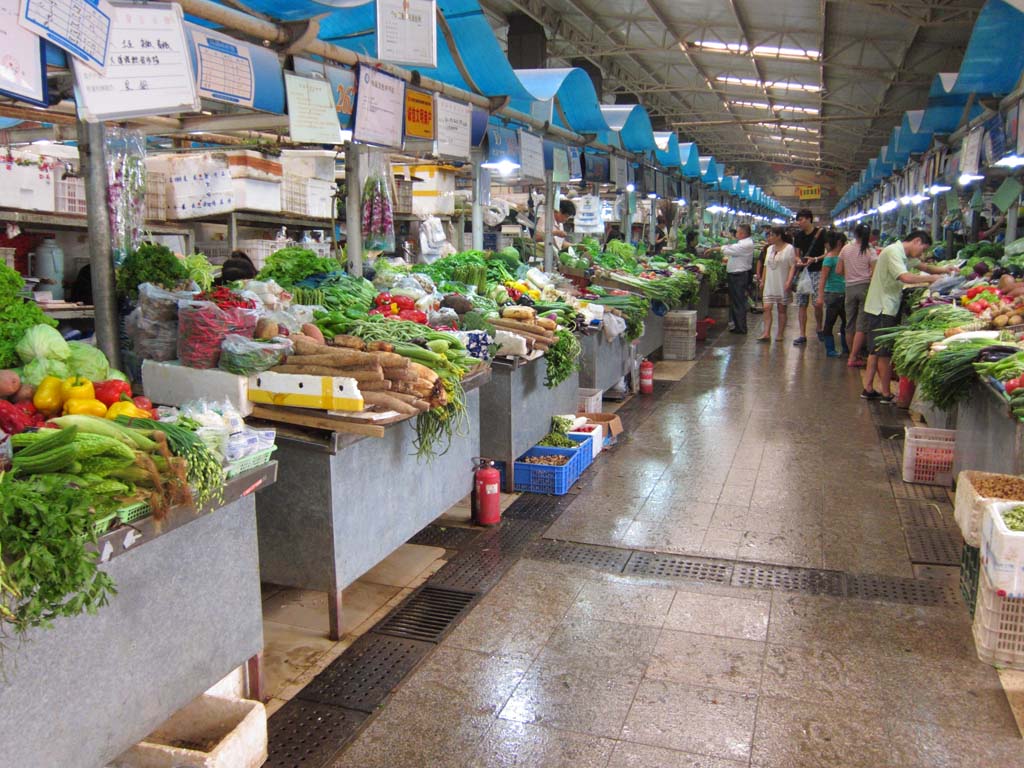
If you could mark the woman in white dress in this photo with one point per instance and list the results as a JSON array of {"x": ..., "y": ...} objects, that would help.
[{"x": 775, "y": 280}]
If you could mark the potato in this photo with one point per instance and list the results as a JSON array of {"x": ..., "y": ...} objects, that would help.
[
  {"x": 10, "y": 383},
  {"x": 1000, "y": 321},
  {"x": 25, "y": 393},
  {"x": 266, "y": 329},
  {"x": 313, "y": 332},
  {"x": 1016, "y": 320}
]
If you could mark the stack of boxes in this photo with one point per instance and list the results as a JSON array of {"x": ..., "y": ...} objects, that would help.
[
  {"x": 680, "y": 336},
  {"x": 309, "y": 182}
]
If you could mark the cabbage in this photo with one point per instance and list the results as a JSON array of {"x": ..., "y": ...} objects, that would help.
[
  {"x": 40, "y": 368},
  {"x": 88, "y": 362},
  {"x": 42, "y": 342},
  {"x": 115, "y": 375}
]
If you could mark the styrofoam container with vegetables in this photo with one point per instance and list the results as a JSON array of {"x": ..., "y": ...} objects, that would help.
[
  {"x": 1002, "y": 547},
  {"x": 974, "y": 492}
]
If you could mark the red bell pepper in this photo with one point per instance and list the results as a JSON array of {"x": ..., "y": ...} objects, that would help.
[
  {"x": 109, "y": 392},
  {"x": 404, "y": 302},
  {"x": 383, "y": 299},
  {"x": 143, "y": 402},
  {"x": 13, "y": 420},
  {"x": 413, "y": 315},
  {"x": 971, "y": 293},
  {"x": 1012, "y": 385}
]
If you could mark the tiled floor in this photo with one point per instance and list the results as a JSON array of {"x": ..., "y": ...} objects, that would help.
[{"x": 759, "y": 452}]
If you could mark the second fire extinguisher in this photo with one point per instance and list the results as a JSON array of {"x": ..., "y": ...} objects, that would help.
[
  {"x": 486, "y": 501},
  {"x": 646, "y": 377}
]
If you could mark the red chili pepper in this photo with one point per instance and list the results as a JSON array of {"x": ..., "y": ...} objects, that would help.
[{"x": 143, "y": 402}]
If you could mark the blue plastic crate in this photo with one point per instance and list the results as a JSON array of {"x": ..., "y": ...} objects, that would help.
[
  {"x": 586, "y": 450},
  {"x": 538, "y": 478}
]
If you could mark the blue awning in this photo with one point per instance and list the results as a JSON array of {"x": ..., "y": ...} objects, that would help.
[
  {"x": 632, "y": 125},
  {"x": 708, "y": 170},
  {"x": 689, "y": 160},
  {"x": 994, "y": 58},
  {"x": 576, "y": 104},
  {"x": 666, "y": 148}
]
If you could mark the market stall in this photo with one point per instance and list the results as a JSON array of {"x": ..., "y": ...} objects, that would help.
[
  {"x": 989, "y": 437},
  {"x": 604, "y": 362}
]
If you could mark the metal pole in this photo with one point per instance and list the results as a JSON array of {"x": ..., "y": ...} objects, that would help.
[
  {"x": 700, "y": 212},
  {"x": 549, "y": 221},
  {"x": 1011, "y": 221},
  {"x": 478, "y": 206},
  {"x": 353, "y": 211},
  {"x": 93, "y": 160},
  {"x": 935, "y": 219},
  {"x": 652, "y": 234}
]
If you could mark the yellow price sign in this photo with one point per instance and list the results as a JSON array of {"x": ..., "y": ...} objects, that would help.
[
  {"x": 811, "y": 192},
  {"x": 419, "y": 114}
]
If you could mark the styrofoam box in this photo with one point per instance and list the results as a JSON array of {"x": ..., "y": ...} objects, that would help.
[
  {"x": 1002, "y": 550},
  {"x": 249, "y": 164},
  {"x": 27, "y": 187},
  {"x": 256, "y": 194},
  {"x": 435, "y": 195},
  {"x": 310, "y": 163},
  {"x": 173, "y": 384},
  {"x": 597, "y": 444},
  {"x": 219, "y": 732},
  {"x": 198, "y": 184}
]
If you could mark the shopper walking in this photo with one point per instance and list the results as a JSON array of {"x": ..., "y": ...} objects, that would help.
[
  {"x": 810, "y": 250},
  {"x": 882, "y": 305},
  {"x": 775, "y": 278},
  {"x": 856, "y": 263},
  {"x": 832, "y": 295},
  {"x": 739, "y": 260}
]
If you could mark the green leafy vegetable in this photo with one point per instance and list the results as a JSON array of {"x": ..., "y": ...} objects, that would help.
[
  {"x": 16, "y": 318},
  {"x": 563, "y": 358},
  {"x": 149, "y": 263},
  {"x": 289, "y": 266},
  {"x": 200, "y": 270},
  {"x": 1014, "y": 518}
]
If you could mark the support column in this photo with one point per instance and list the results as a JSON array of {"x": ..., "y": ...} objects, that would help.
[
  {"x": 478, "y": 208},
  {"x": 1011, "y": 221},
  {"x": 549, "y": 220},
  {"x": 936, "y": 221},
  {"x": 93, "y": 159},
  {"x": 353, "y": 210},
  {"x": 652, "y": 225}
]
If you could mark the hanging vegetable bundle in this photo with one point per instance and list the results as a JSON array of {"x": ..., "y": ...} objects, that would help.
[{"x": 378, "y": 222}]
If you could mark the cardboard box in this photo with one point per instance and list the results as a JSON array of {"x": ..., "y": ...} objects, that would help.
[{"x": 611, "y": 423}]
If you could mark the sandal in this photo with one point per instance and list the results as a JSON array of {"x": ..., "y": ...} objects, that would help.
[
  {"x": 764, "y": 339},
  {"x": 858, "y": 363}
]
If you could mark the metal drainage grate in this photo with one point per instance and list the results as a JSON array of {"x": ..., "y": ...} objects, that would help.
[
  {"x": 934, "y": 546},
  {"x": 304, "y": 734},
  {"x": 511, "y": 536},
  {"x": 447, "y": 536},
  {"x": 893, "y": 589},
  {"x": 924, "y": 514},
  {"x": 675, "y": 567},
  {"x": 587, "y": 555},
  {"x": 913, "y": 491},
  {"x": 363, "y": 676},
  {"x": 532, "y": 506},
  {"x": 812, "y": 581},
  {"x": 474, "y": 570},
  {"x": 427, "y": 614},
  {"x": 891, "y": 433}
]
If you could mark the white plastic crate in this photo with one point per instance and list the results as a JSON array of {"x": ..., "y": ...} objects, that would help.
[
  {"x": 969, "y": 509},
  {"x": 70, "y": 196},
  {"x": 685, "y": 319},
  {"x": 259, "y": 251},
  {"x": 677, "y": 347},
  {"x": 998, "y": 626},
  {"x": 1002, "y": 550},
  {"x": 156, "y": 195},
  {"x": 307, "y": 197},
  {"x": 216, "y": 251},
  {"x": 589, "y": 400},
  {"x": 928, "y": 456}
]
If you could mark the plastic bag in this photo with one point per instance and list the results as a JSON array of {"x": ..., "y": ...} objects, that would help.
[
  {"x": 445, "y": 317},
  {"x": 804, "y": 285},
  {"x": 246, "y": 356},
  {"x": 292, "y": 318},
  {"x": 408, "y": 286},
  {"x": 202, "y": 327},
  {"x": 614, "y": 326},
  {"x": 378, "y": 223},
  {"x": 159, "y": 304},
  {"x": 152, "y": 339}
]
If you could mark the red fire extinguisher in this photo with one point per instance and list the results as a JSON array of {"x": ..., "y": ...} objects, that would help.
[
  {"x": 646, "y": 377},
  {"x": 486, "y": 501}
]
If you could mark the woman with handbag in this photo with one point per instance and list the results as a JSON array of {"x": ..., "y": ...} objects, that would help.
[{"x": 775, "y": 275}]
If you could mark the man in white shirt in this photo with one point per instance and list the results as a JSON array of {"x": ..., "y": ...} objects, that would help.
[
  {"x": 739, "y": 261},
  {"x": 566, "y": 210}
]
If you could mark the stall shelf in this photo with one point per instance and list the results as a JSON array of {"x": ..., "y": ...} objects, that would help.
[
  {"x": 346, "y": 501},
  {"x": 988, "y": 437},
  {"x": 71, "y": 222},
  {"x": 654, "y": 335},
  {"x": 603, "y": 363},
  {"x": 186, "y": 613},
  {"x": 517, "y": 409}
]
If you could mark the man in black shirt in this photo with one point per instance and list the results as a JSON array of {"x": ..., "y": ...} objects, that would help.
[{"x": 810, "y": 252}]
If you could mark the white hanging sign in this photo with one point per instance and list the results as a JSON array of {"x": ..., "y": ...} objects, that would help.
[
  {"x": 311, "y": 114},
  {"x": 559, "y": 165},
  {"x": 148, "y": 67},
  {"x": 531, "y": 156},
  {"x": 970, "y": 155},
  {"x": 83, "y": 28},
  {"x": 407, "y": 32},
  {"x": 619, "y": 171},
  {"x": 380, "y": 109},
  {"x": 23, "y": 62},
  {"x": 454, "y": 128},
  {"x": 225, "y": 71}
]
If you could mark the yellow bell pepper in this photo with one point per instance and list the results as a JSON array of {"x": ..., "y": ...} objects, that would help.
[
  {"x": 129, "y": 409},
  {"x": 78, "y": 406},
  {"x": 47, "y": 398},
  {"x": 77, "y": 388}
]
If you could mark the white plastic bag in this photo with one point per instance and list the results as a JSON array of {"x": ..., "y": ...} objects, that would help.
[
  {"x": 614, "y": 326},
  {"x": 804, "y": 284}
]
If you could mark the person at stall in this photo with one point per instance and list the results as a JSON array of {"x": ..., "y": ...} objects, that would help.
[
  {"x": 739, "y": 261},
  {"x": 566, "y": 210},
  {"x": 237, "y": 267},
  {"x": 660, "y": 235},
  {"x": 832, "y": 295},
  {"x": 856, "y": 262},
  {"x": 882, "y": 305},
  {"x": 692, "y": 237},
  {"x": 614, "y": 232},
  {"x": 809, "y": 243}
]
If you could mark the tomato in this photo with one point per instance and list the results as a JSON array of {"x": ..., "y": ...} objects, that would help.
[{"x": 1012, "y": 385}]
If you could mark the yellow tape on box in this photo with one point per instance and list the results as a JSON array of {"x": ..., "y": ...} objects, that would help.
[{"x": 328, "y": 393}]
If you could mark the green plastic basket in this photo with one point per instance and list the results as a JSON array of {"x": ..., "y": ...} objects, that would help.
[
  {"x": 970, "y": 567},
  {"x": 126, "y": 515},
  {"x": 249, "y": 463}
]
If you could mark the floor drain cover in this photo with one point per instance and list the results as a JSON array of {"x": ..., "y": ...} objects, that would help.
[
  {"x": 363, "y": 676},
  {"x": 893, "y": 589},
  {"x": 449, "y": 536},
  {"x": 886, "y": 432},
  {"x": 473, "y": 570},
  {"x": 815, "y": 582},
  {"x": 304, "y": 734},
  {"x": 589, "y": 556},
  {"x": 675, "y": 567},
  {"x": 925, "y": 514},
  {"x": 511, "y": 536},
  {"x": 532, "y": 506},
  {"x": 427, "y": 614},
  {"x": 912, "y": 491},
  {"x": 934, "y": 546}
]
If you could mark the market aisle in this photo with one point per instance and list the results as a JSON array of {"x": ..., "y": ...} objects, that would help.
[{"x": 758, "y": 454}]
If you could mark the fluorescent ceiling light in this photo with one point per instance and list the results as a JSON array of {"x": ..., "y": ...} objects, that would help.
[
  {"x": 889, "y": 206},
  {"x": 918, "y": 199},
  {"x": 751, "y": 104},
  {"x": 966, "y": 178},
  {"x": 652, "y": 196},
  {"x": 713, "y": 45},
  {"x": 905, "y": 200},
  {"x": 772, "y": 51},
  {"x": 630, "y": 188},
  {"x": 782, "y": 85},
  {"x": 795, "y": 108},
  {"x": 936, "y": 188},
  {"x": 503, "y": 167},
  {"x": 1010, "y": 161}
]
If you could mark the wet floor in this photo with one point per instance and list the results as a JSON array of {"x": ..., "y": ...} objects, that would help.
[{"x": 759, "y": 453}]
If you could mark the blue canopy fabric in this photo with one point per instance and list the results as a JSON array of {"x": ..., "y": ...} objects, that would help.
[
  {"x": 666, "y": 148},
  {"x": 632, "y": 124},
  {"x": 578, "y": 108},
  {"x": 708, "y": 170},
  {"x": 689, "y": 160}
]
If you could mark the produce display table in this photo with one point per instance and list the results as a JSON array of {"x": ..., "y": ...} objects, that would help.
[
  {"x": 346, "y": 502},
  {"x": 517, "y": 408},
  {"x": 988, "y": 437},
  {"x": 654, "y": 335},
  {"x": 603, "y": 362},
  {"x": 187, "y": 612}
]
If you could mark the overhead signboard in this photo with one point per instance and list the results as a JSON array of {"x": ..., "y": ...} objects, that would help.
[
  {"x": 531, "y": 154},
  {"x": 407, "y": 32},
  {"x": 380, "y": 108},
  {"x": 311, "y": 115},
  {"x": 454, "y": 128},
  {"x": 575, "y": 164},
  {"x": 560, "y": 165},
  {"x": 148, "y": 71},
  {"x": 809, "y": 192},
  {"x": 970, "y": 153},
  {"x": 595, "y": 167},
  {"x": 83, "y": 28},
  {"x": 619, "y": 171},
  {"x": 23, "y": 63},
  {"x": 236, "y": 72},
  {"x": 343, "y": 86},
  {"x": 419, "y": 114}
]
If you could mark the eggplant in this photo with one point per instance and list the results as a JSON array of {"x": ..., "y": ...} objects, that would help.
[{"x": 525, "y": 301}]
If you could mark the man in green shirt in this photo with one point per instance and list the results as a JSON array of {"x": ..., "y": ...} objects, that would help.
[{"x": 882, "y": 304}]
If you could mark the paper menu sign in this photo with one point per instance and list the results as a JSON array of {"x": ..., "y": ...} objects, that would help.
[
  {"x": 531, "y": 156},
  {"x": 1008, "y": 194},
  {"x": 22, "y": 59},
  {"x": 380, "y": 108},
  {"x": 148, "y": 67},
  {"x": 407, "y": 32},
  {"x": 419, "y": 114},
  {"x": 224, "y": 67},
  {"x": 311, "y": 114},
  {"x": 81, "y": 27},
  {"x": 454, "y": 128},
  {"x": 970, "y": 154}
]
